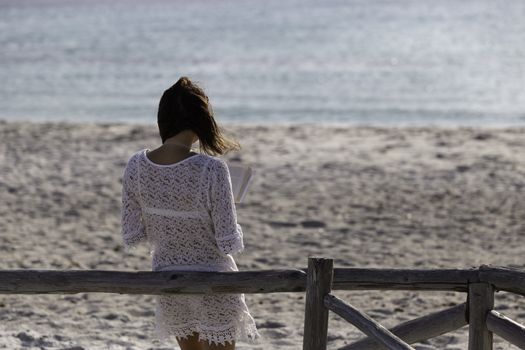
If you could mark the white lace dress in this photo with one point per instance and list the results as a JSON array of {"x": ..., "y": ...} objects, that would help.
[{"x": 187, "y": 214}]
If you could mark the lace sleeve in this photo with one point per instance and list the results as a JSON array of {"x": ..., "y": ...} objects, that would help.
[
  {"x": 133, "y": 230},
  {"x": 228, "y": 232}
]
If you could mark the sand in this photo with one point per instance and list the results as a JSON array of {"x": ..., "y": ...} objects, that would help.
[{"x": 368, "y": 197}]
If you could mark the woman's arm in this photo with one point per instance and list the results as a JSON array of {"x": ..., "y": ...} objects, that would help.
[
  {"x": 133, "y": 230},
  {"x": 228, "y": 232}
]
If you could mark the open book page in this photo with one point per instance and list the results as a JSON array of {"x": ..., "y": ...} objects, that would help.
[{"x": 241, "y": 177}]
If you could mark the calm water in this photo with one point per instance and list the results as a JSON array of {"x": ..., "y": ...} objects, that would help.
[{"x": 370, "y": 61}]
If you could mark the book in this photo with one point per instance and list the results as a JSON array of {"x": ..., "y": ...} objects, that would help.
[{"x": 241, "y": 177}]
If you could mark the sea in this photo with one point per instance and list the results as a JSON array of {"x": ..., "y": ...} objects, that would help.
[{"x": 371, "y": 62}]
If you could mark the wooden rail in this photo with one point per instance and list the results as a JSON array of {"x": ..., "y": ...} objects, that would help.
[
  {"x": 260, "y": 281},
  {"x": 153, "y": 283},
  {"x": 421, "y": 328},
  {"x": 365, "y": 323},
  {"x": 318, "y": 280},
  {"x": 506, "y": 328}
]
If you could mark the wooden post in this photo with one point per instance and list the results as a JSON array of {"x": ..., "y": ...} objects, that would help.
[
  {"x": 480, "y": 303},
  {"x": 318, "y": 284}
]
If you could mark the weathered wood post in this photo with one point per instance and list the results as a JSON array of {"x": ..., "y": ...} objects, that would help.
[
  {"x": 480, "y": 303},
  {"x": 318, "y": 284}
]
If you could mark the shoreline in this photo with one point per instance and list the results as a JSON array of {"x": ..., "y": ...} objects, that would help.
[{"x": 289, "y": 124}]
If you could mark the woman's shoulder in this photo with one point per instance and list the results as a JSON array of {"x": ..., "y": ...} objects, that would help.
[
  {"x": 138, "y": 153},
  {"x": 213, "y": 162},
  {"x": 134, "y": 157}
]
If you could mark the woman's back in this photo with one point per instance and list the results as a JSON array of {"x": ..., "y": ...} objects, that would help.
[{"x": 188, "y": 215}]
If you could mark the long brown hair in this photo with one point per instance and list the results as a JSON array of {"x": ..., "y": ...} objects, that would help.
[{"x": 185, "y": 106}]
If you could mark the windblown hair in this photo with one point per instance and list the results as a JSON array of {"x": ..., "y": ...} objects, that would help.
[{"x": 185, "y": 106}]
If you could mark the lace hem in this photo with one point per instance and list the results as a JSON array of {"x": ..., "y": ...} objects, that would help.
[{"x": 242, "y": 330}]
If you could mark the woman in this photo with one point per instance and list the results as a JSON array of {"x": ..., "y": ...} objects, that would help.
[{"x": 181, "y": 202}]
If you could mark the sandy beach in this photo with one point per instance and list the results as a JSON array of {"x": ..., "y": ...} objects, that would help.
[{"x": 367, "y": 197}]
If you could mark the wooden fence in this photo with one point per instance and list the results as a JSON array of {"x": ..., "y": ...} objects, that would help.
[
  {"x": 318, "y": 280},
  {"x": 479, "y": 284}
]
